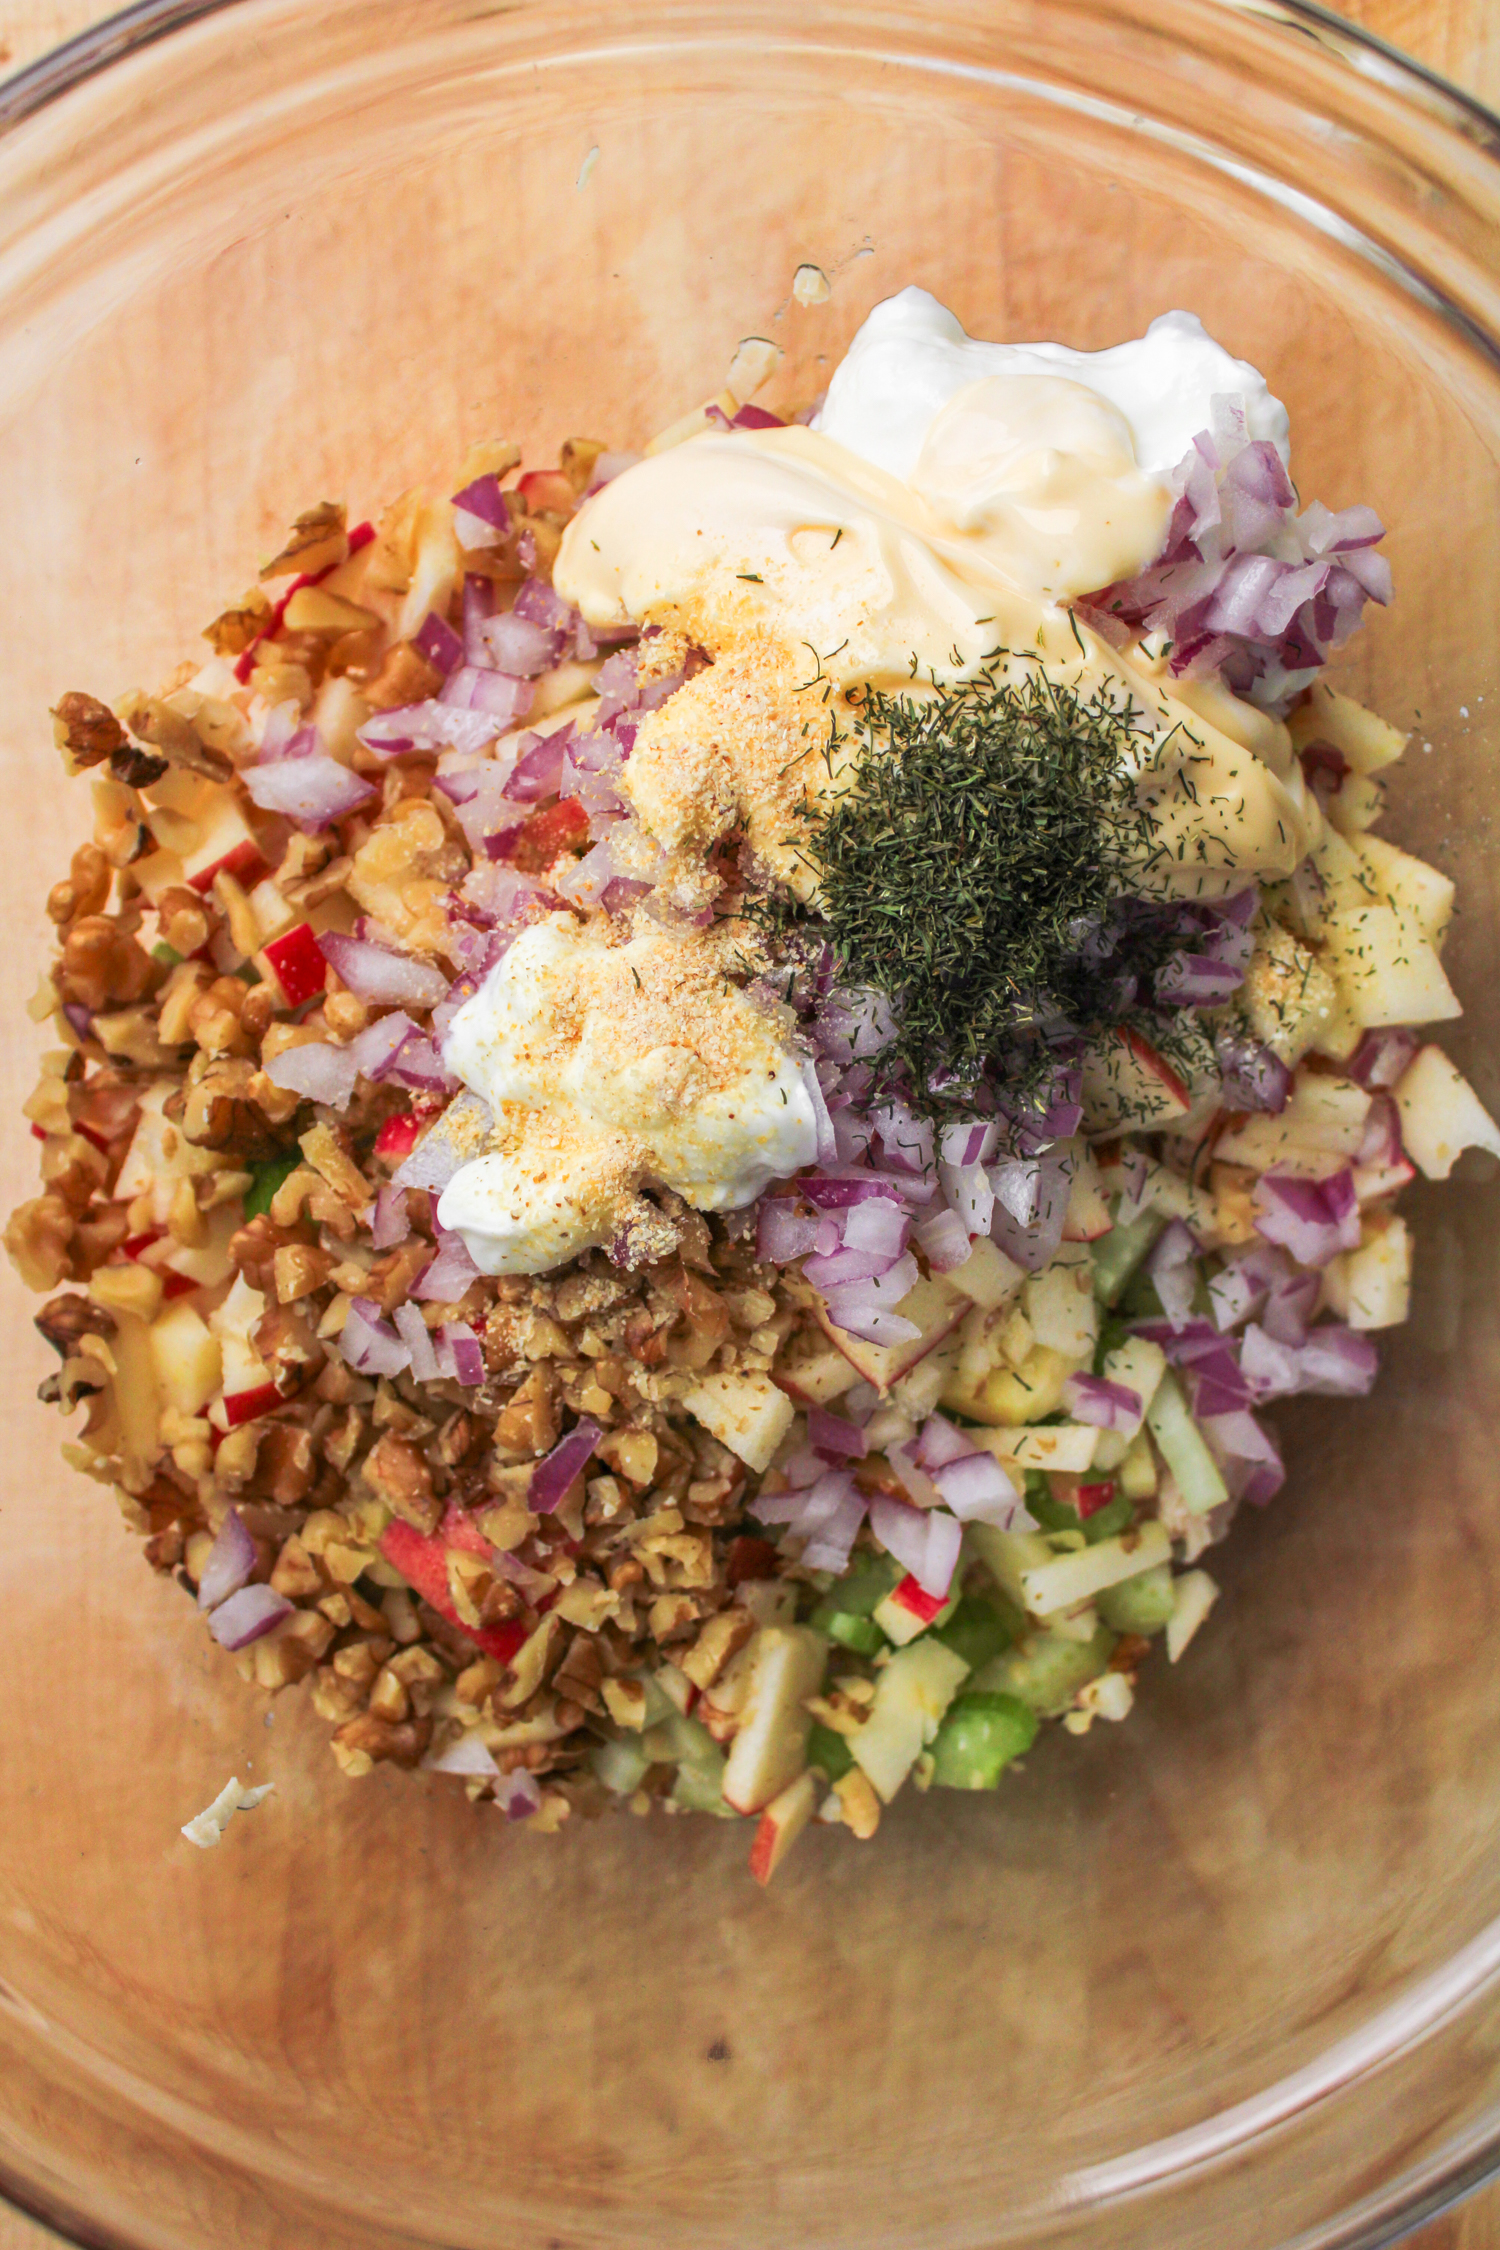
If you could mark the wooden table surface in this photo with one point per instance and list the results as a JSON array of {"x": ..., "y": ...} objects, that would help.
[{"x": 1458, "y": 38}]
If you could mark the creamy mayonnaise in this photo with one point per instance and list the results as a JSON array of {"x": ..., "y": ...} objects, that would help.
[{"x": 608, "y": 1067}]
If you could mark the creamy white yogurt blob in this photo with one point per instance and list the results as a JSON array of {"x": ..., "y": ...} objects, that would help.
[{"x": 912, "y": 355}]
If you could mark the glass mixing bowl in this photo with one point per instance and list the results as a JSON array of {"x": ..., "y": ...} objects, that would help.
[{"x": 1225, "y": 1975}]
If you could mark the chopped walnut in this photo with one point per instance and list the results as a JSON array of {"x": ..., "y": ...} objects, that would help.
[{"x": 397, "y": 1474}]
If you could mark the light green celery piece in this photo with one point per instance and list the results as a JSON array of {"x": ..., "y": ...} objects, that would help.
[{"x": 1185, "y": 1449}]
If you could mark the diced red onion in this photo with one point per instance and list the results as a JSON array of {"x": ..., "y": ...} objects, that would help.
[
  {"x": 502, "y": 699},
  {"x": 369, "y": 1344},
  {"x": 554, "y": 1475},
  {"x": 970, "y": 1196},
  {"x": 1249, "y": 1455},
  {"x": 450, "y": 1274},
  {"x": 418, "y": 1064},
  {"x": 1188, "y": 980},
  {"x": 944, "y": 1241},
  {"x": 230, "y": 1564},
  {"x": 1337, "y": 1362},
  {"x": 940, "y": 1441},
  {"x": 782, "y": 1233},
  {"x": 541, "y": 604},
  {"x": 318, "y": 1071},
  {"x": 832, "y": 1539},
  {"x": 390, "y": 1224},
  {"x": 538, "y": 770},
  {"x": 1289, "y": 1308},
  {"x": 248, "y": 1616},
  {"x": 1252, "y": 1078},
  {"x": 1313, "y": 1219},
  {"x": 1233, "y": 1295},
  {"x": 436, "y": 640},
  {"x": 412, "y": 1329},
  {"x": 1104, "y": 1404},
  {"x": 313, "y": 791},
  {"x": 460, "y": 1354},
  {"x": 379, "y": 1043},
  {"x": 374, "y": 974},
  {"x": 830, "y": 1433},
  {"x": 1382, "y": 1057},
  {"x": 438, "y": 1155},
  {"x": 518, "y": 1795},
  {"x": 484, "y": 499},
  {"x": 467, "y": 1756},
  {"x": 513, "y": 644},
  {"x": 80, "y": 1017},
  {"x": 925, "y": 1541},
  {"x": 978, "y": 1490}
]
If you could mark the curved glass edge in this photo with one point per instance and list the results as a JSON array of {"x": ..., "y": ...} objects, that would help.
[
  {"x": 134, "y": 28},
  {"x": 1390, "y": 2215}
]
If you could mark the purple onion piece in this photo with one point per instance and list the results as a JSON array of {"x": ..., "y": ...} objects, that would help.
[
  {"x": 248, "y": 1616},
  {"x": 553, "y": 1476},
  {"x": 230, "y": 1563}
]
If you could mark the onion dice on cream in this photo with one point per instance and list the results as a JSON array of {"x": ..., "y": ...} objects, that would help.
[{"x": 610, "y": 1068}]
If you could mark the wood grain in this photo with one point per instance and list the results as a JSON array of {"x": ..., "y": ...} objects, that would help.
[{"x": 1458, "y": 38}]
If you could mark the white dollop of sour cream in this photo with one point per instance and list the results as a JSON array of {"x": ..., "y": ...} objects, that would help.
[{"x": 912, "y": 356}]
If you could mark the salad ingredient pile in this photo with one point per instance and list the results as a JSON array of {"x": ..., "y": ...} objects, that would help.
[{"x": 699, "y": 1098}]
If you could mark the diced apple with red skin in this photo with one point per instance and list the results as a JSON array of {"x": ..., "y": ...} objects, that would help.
[
  {"x": 248, "y": 1389},
  {"x": 911, "y": 1695},
  {"x": 933, "y": 1306},
  {"x": 227, "y": 845},
  {"x": 908, "y": 1609},
  {"x": 818, "y": 1377},
  {"x": 294, "y": 964},
  {"x": 1088, "y": 1213},
  {"x": 780, "y": 1825},
  {"x": 748, "y": 1413},
  {"x": 1441, "y": 1115},
  {"x": 159, "y": 1155},
  {"x": 770, "y": 1748},
  {"x": 1126, "y": 1082}
]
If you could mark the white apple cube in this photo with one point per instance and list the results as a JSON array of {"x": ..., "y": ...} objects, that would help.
[
  {"x": 1371, "y": 1287},
  {"x": 186, "y": 1358},
  {"x": 1070, "y": 1446},
  {"x": 986, "y": 1277},
  {"x": 1441, "y": 1115},
  {"x": 1387, "y": 971},
  {"x": 912, "y": 1693},
  {"x": 1419, "y": 892},
  {"x": 748, "y": 1413},
  {"x": 818, "y": 1377},
  {"x": 1062, "y": 1307},
  {"x": 770, "y": 1748},
  {"x": 244, "y": 1369},
  {"x": 1367, "y": 743}
]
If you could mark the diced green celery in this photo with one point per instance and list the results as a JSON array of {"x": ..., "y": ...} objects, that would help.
[
  {"x": 621, "y": 1766},
  {"x": 976, "y": 1631},
  {"x": 168, "y": 955},
  {"x": 1115, "y": 1516},
  {"x": 845, "y": 1612},
  {"x": 1185, "y": 1449},
  {"x": 861, "y": 1634},
  {"x": 699, "y": 1786},
  {"x": 266, "y": 1179},
  {"x": 1046, "y": 1672},
  {"x": 979, "y": 1736},
  {"x": 1139, "y": 1605},
  {"x": 1118, "y": 1253},
  {"x": 829, "y": 1752}
]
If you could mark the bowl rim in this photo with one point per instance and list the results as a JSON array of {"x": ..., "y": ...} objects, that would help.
[{"x": 129, "y": 31}]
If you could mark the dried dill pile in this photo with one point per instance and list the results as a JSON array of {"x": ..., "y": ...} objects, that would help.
[{"x": 971, "y": 868}]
